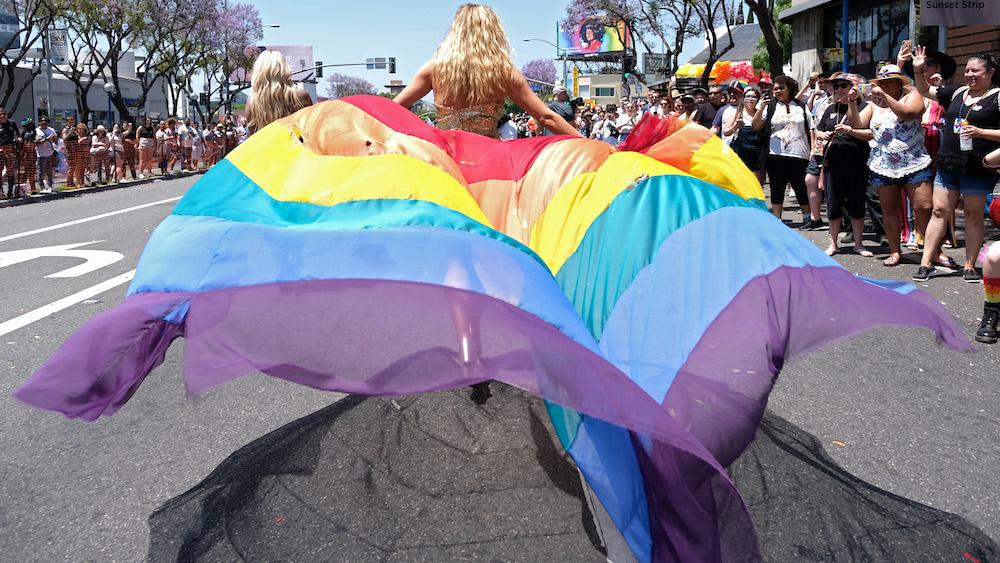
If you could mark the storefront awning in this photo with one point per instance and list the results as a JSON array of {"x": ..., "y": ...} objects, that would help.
[{"x": 807, "y": 6}]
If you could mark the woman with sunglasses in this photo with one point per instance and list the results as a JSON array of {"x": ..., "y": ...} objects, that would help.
[
  {"x": 898, "y": 161},
  {"x": 845, "y": 158},
  {"x": 971, "y": 132},
  {"x": 746, "y": 140},
  {"x": 787, "y": 127}
]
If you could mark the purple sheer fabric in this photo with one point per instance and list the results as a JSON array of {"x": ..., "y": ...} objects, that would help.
[
  {"x": 722, "y": 389},
  {"x": 378, "y": 337},
  {"x": 385, "y": 338}
]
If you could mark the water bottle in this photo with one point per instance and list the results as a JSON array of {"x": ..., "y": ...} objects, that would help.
[{"x": 964, "y": 141}]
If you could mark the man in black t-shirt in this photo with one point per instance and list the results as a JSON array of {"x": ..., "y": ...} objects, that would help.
[
  {"x": 8, "y": 152},
  {"x": 705, "y": 115},
  {"x": 561, "y": 106}
]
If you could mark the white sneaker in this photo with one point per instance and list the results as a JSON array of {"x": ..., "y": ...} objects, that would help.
[{"x": 142, "y": 177}]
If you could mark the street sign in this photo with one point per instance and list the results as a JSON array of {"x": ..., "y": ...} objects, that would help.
[
  {"x": 94, "y": 259},
  {"x": 655, "y": 63},
  {"x": 59, "y": 46},
  {"x": 375, "y": 63},
  {"x": 833, "y": 55}
]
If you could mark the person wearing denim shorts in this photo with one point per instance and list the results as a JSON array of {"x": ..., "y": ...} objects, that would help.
[
  {"x": 972, "y": 111},
  {"x": 898, "y": 161}
]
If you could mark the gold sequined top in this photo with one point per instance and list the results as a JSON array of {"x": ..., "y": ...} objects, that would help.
[{"x": 481, "y": 119}]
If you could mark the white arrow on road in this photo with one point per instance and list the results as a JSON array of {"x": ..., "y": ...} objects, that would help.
[{"x": 94, "y": 259}]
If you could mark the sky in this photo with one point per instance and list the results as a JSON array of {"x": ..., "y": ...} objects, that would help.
[{"x": 351, "y": 31}]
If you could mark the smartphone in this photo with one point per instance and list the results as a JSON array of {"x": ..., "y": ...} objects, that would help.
[{"x": 865, "y": 89}]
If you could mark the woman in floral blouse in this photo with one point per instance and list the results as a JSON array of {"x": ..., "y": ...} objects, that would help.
[{"x": 898, "y": 159}]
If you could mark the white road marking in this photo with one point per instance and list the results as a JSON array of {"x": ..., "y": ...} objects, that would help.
[
  {"x": 86, "y": 219},
  {"x": 40, "y": 313},
  {"x": 93, "y": 259}
]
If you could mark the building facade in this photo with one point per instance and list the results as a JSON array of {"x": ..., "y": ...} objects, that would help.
[
  {"x": 875, "y": 29},
  {"x": 60, "y": 102},
  {"x": 604, "y": 89}
]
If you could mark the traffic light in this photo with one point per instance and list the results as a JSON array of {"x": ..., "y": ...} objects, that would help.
[
  {"x": 392, "y": 65},
  {"x": 203, "y": 99},
  {"x": 319, "y": 69}
]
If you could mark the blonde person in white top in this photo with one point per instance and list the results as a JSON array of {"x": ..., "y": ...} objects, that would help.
[{"x": 626, "y": 121}]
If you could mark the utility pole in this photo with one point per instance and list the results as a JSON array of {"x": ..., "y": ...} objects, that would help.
[
  {"x": 47, "y": 47},
  {"x": 225, "y": 62}
]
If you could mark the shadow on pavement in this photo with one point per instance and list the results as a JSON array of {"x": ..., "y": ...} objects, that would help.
[
  {"x": 435, "y": 477},
  {"x": 808, "y": 508}
]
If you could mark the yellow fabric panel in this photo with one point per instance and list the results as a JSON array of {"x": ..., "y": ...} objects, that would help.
[
  {"x": 342, "y": 129},
  {"x": 716, "y": 163},
  {"x": 275, "y": 160},
  {"x": 560, "y": 228}
]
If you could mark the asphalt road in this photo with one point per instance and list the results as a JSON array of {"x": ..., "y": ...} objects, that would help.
[{"x": 892, "y": 407}]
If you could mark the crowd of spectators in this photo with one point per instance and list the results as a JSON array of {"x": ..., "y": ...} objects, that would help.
[
  {"x": 35, "y": 155},
  {"x": 903, "y": 151}
]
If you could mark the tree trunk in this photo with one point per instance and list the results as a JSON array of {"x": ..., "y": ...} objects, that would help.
[
  {"x": 82, "y": 105},
  {"x": 775, "y": 51},
  {"x": 119, "y": 102}
]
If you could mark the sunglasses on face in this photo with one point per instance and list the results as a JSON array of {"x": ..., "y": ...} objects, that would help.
[{"x": 841, "y": 85}]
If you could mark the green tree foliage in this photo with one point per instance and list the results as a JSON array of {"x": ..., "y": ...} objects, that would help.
[{"x": 761, "y": 58}]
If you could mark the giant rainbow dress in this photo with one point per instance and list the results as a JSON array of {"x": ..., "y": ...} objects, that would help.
[{"x": 647, "y": 295}]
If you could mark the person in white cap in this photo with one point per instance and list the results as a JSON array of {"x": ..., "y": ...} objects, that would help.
[{"x": 561, "y": 106}]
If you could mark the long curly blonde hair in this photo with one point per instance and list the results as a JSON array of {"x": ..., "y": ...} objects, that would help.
[
  {"x": 473, "y": 65},
  {"x": 273, "y": 94}
]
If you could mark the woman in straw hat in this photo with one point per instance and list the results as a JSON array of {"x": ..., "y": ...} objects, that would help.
[
  {"x": 472, "y": 72},
  {"x": 898, "y": 159}
]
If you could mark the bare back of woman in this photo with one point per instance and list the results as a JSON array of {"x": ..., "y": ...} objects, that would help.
[{"x": 472, "y": 73}]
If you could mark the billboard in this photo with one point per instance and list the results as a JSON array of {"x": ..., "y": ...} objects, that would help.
[
  {"x": 590, "y": 35},
  {"x": 9, "y": 28}
]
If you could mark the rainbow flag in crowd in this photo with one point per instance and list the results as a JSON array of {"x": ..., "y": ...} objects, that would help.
[{"x": 647, "y": 295}]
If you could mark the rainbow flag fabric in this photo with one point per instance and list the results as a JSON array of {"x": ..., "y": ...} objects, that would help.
[{"x": 647, "y": 295}]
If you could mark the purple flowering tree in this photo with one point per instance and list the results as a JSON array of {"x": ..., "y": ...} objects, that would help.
[
  {"x": 542, "y": 70},
  {"x": 340, "y": 85}
]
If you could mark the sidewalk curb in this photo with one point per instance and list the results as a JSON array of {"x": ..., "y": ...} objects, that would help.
[{"x": 39, "y": 198}]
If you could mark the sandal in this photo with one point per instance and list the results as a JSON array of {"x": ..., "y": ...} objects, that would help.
[
  {"x": 831, "y": 250},
  {"x": 863, "y": 252},
  {"x": 892, "y": 260}
]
